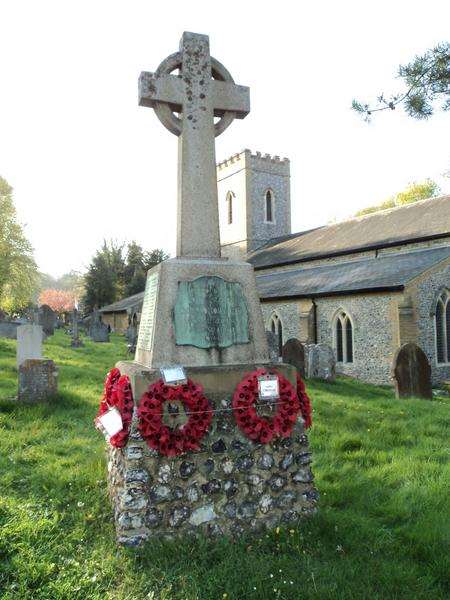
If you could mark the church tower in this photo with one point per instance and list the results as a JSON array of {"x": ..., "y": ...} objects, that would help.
[{"x": 254, "y": 201}]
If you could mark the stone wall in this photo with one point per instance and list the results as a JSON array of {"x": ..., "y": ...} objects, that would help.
[
  {"x": 229, "y": 486},
  {"x": 424, "y": 292},
  {"x": 268, "y": 172},
  {"x": 375, "y": 333},
  {"x": 375, "y": 330},
  {"x": 288, "y": 313},
  {"x": 247, "y": 177},
  {"x": 118, "y": 321}
]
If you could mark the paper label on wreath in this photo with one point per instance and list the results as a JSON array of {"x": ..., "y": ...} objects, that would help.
[
  {"x": 268, "y": 387},
  {"x": 173, "y": 375},
  {"x": 110, "y": 422}
]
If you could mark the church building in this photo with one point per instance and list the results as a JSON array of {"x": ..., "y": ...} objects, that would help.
[{"x": 365, "y": 286}]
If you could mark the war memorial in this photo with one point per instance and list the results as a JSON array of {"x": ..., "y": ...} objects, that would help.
[{"x": 212, "y": 437}]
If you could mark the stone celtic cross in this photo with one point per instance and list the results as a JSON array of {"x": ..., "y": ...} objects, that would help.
[{"x": 202, "y": 89}]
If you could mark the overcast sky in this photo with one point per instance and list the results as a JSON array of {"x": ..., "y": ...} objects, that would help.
[{"x": 87, "y": 163}]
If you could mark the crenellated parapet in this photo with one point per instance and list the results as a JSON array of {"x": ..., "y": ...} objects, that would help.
[{"x": 257, "y": 160}]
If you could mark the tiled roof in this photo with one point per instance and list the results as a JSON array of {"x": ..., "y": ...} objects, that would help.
[
  {"x": 387, "y": 272},
  {"x": 426, "y": 219},
  {"x": 122, "y": 305}
]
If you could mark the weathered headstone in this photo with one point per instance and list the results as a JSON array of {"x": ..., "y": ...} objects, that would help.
[
  {"x": 203, "y": 312},
  {"x": 29, "y": 342},
  {"x": 411, "y": 372},
  {"x": 38, "y": 380},
  {"x": 294, "y": 354},
  {"x": 76, "y": 340},
  {"x": 272, "y": 342},
  {"x": 98, "y": 331},
  {"x": 8, "y": 329},
  {"x": 47, "y": 319},
  {"x": 131, "y": 336},
  {"x": 37, "y": 375},
  {"x": 321, "y": 362}
]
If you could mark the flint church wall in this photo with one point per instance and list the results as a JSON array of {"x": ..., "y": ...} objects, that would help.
[{"x": 425, "y": 291}]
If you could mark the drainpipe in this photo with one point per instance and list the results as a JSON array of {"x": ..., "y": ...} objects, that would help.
[{"x": 315, "y": 321}]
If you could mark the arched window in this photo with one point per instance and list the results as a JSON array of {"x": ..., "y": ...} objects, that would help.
[
  {"x": 276, "y": 327},
  {"x": 442, "y": 323},
  {"x": 230, "y": 197},
  {"x": 343, "y": 338},
  {"x": 269, "y": 206}
]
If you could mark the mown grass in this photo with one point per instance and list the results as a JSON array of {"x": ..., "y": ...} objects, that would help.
[{"x": 382, "y": 530}]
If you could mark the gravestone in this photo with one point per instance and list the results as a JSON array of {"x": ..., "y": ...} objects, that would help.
[
  {"x": 131, "y": 336},
  {"x": 294, "y": 354},
  {"x": 76, "y": 340},
  {"x": 98, "y": 331},
  {"x": 321, "y": 362},
  {"x": 47, "y": 319},
  {"x": 38, "y": 378},
  {"x": 8, "y": 329},
  {"x": 202, "y": 311},
  {"x": 411, "y": 372},
  {"x": 272, "y": 341},
  {"x": 29, "y": 342}
]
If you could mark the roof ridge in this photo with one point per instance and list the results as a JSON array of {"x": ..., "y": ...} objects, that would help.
[
  {"x": 393, "y": 208},
  {"x": 333, "y": 264}
]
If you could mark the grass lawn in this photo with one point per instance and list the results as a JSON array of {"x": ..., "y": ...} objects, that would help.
[{"x": 382, "y": 530}]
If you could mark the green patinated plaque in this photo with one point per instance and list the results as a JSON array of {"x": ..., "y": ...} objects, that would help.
[{"x": 210, "y": 312}]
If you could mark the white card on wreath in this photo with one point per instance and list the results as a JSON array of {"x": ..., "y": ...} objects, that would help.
[
  {"x": 268, "y": 387},
  {"x": 110, "y": 422},
  {"x": 173, "y": 374}
]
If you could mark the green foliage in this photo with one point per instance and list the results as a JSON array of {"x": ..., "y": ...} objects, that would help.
[
  {"x": 104, "y": 281},
  {"x": 18, "y": 273},
  {"x": 116, "y": 272},
  {"x": 381, "y": 530},
  {"x": 413, "y": 193},
  {"x": 427, "y": 80}
]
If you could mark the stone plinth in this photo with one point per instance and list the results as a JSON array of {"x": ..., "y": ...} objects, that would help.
[
  {"x": 160, "y": 343},
  {"x": 38, "y": 380},
  {"x": 229, "y": 486}
]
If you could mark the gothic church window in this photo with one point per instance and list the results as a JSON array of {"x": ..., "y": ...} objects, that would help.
[
  {"x": 269, "y": 206},
  {"x": 343, "y": 338},
  {"x": 442, "y": 324},
  {"x": 276, "y": 327},
  {"x": 230, "y": 197}
]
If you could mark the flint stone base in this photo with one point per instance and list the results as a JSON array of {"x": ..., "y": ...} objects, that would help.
[
  {"x": 38, "y": 380},
  {"x": 229, "y": 486}
]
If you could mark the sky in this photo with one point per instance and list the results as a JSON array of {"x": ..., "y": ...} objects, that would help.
[{"x": 87, "y": 163}]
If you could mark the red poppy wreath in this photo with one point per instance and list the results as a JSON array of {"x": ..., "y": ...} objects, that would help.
[
  {"x": 305, "y": 402},
  {"x": 168, "y": 441},
  {"x": 117, "y": 392},
  {"x": 262, "y": 429}
]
